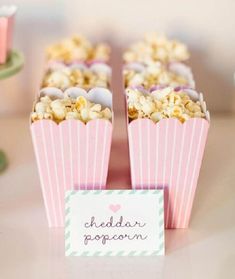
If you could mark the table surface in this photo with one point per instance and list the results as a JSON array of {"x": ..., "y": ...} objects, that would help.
[{"x": 28, "y": 249}]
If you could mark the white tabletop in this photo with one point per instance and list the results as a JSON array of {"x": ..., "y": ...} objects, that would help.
[{"x": 28, "y": 249}]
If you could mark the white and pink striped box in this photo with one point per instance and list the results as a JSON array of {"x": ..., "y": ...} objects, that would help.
[
  {"x": 168, "y": 155},
  {"x": 7, "y": 16},
  {"x": 70, "y": 155}
]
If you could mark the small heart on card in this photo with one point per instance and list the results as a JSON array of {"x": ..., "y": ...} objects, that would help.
[{"x": 114, "y": 207}]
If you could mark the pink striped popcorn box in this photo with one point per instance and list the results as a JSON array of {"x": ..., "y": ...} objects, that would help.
[
  {"x": 168, "y": 155},
  {"x": 71, "y": 155},
  {"x": 7, "y": 15}
]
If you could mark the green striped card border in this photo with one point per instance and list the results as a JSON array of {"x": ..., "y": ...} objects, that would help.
[{"x": 160, "y": 199}]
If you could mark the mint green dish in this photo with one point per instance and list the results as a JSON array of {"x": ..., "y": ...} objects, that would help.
[{"x": 13, "y": 65}]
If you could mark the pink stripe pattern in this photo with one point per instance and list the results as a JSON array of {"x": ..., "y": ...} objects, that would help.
[
  {"x": 168, "y": 155},
  {"x": 6, "y": 30},
  {"x": 70, "y": 155}
]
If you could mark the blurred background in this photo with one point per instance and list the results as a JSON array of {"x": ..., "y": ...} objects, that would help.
[{"x": 207, "y": 27}]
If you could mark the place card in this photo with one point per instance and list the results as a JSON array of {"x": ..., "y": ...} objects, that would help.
[{"x": 114, "y": 223}]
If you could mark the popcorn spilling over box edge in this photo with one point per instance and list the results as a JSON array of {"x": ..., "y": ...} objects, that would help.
[
  {"x": 77, "y": 74},
  {"x": 71, "y": 129},
  {"x": 147, "y": 76}
]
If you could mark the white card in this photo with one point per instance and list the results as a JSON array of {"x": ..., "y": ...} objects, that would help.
[{"x": 114, "y": 223}]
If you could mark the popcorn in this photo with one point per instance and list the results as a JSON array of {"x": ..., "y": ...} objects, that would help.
[
  {"x": 81, "y": 103},
  {"x": 162, "y": 103},
  {"x": 58, "y": 110},
  {"x": 132, "y": 112},
  {"x": 101, "y": 52},
  {"x": 96, "y": 108},
  {"x": 69, "y": 77},
  {"x": 45, "y": 99},
  {"x": 41, "y": 107},
  {"x": 157, "y": 116},
  {"x": 78, "y": 48},
  {"x": 153, "y": 74},
  {"x": 59, "y": 79},
  {"x": 161, "y": 94},
  {"x": 94, "y": 115},
  {"x": 156, "y": 48},
  {"x": 68, "y": 108},
  {"x": 40, "y": 115},
  {"x": 73, "y": 115},
  {"x": 106, "y": 113}
]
